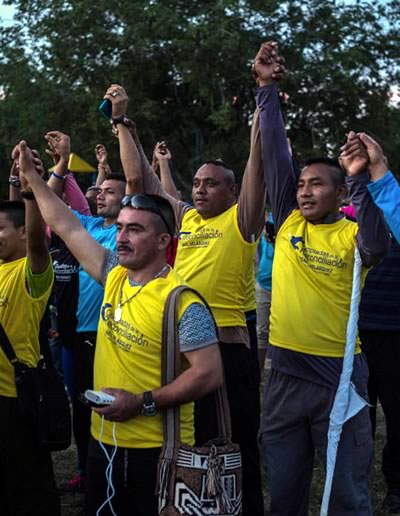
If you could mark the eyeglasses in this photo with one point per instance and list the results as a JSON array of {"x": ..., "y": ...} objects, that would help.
[{"x": 142, "y": 202}]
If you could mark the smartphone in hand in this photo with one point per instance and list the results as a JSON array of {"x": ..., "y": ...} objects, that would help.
[
  {"x": 105, "y": 108},
  {"x": 97, "y": 399}
]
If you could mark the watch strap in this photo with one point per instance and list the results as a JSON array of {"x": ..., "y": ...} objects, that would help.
[
  {"x": 120, "y": 120},
  {"x": 149, "y": 406}
]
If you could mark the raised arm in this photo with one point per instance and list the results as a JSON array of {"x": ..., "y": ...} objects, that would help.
[
  {"x": 373, "y": 238},
  {"x": 14, "y": 183},
  {"x": 137, "y": 169},
  {"x": 162, "y": 156},
  {"x": 103, "y": 168},
  {"x": 59, "y": 217},
  {"x": 74, "y": 195},
  {"x": 129, "y": 155},
  {"x": 59, "y": 148},
  {"x": 277, "y": 162},
  {"x": 36, "y": 244}
]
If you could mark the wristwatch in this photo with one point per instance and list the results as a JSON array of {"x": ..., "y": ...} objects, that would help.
[
  {"x": 149, "y": 406},
  {"x": 15, "y": 181},
  {"x": 27, "y": 195},
  {"x": 123, "y": 119}
]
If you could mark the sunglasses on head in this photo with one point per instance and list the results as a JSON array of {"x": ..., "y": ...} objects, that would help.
[{"x": 142, "y": 202}]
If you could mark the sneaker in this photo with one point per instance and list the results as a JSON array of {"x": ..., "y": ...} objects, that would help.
[
  {"x": 391, "y": 503},
  {"x": 77, "y": 484}
]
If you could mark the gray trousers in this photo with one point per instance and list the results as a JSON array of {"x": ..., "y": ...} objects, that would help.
[{"x": 294, "y": 425}]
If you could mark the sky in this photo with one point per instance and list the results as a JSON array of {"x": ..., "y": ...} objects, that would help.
[{"x": 6, "y": 14}]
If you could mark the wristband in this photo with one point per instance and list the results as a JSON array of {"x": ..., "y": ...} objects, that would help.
[
  {"x": 27, "y": 195},
  {"x": 57, "y": 176}
]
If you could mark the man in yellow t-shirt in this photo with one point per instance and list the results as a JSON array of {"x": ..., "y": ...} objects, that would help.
[
  {"x": 128, "y": 350},
  {"x": 27, "y": 483},
  {"x": 312, "y": 277},
  {"x": 216, "y": 250}
]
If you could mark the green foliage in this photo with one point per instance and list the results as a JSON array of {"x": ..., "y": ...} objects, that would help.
[{"x": 185, "y": 66}]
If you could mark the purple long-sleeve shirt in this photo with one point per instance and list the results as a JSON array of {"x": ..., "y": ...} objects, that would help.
[{"x": 373, "y": 239}]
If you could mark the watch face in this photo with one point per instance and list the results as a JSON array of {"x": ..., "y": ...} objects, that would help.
[
  {"x": 150, "y": 410},
  {"x": 149, "y": 407}
]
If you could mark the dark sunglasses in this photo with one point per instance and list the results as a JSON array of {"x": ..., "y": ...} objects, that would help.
[{"x": 142, "y": 202}]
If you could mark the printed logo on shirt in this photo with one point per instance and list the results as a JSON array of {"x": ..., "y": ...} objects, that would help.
[
  {"x": 121, "y": 333},
  {"x": 64, "y": 271},
  {"x": 297, "y": 242},
  {"x": 200, "y": 238},
  {"x": 317, "y": 260}
]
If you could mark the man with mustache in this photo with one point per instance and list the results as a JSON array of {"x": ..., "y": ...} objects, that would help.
[
  {"x": 216, "y": 250},
  {"x": 127, "y": 365}
]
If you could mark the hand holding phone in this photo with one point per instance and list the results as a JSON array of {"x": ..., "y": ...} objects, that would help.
[
  {"x": 115, "y": 102},
  {"x": 105, "y": 108},
  {"x": 96, "y": 399}
]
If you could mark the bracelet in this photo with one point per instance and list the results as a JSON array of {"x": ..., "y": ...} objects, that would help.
[
  {"x": 57, "y": 176},
  {"x": 27, "y": 195},
  {"x": 14, "y": 181}
]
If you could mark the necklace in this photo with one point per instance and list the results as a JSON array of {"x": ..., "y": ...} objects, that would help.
[{"x": 118, "y": 310}]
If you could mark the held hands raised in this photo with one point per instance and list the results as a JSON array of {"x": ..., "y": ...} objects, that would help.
[
  {"x": 378, "y": 164},
  {"x": 353, "y": 157},
  {"x": 59, "y": 146},
  {"x": 361, "y": 153},
  {"x": 268, "y": 65},
  {"x": 26, "y": 161}
]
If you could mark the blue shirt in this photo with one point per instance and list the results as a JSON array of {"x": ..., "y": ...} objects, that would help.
[
  {"x": 90, "y": 292},
  {"x": 386, "y": 195},
  {"x": 266, "y": 257}
]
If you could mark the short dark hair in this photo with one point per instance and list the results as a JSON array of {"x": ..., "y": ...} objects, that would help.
[
  {"x": 15, "y": 211},
  {"x": 116, "y": 177},
  {"x": 166, "y": 209},
  {"x": 337, "y": 174},
  {"x": 221, "y": 163}
]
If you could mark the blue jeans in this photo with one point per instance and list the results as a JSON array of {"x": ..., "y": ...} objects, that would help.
[{"x": 294, "y": 425}]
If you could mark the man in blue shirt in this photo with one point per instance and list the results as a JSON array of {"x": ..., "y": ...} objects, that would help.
[{"x": 102, "y": 228}]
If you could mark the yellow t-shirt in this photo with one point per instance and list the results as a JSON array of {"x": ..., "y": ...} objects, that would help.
[
  {"x": 250, "y": 296},
  {"x": 128, "y": 355},
  {"x": 312, "y": 277},
  {"x": 20, "y": 315},
  {"x": 212, "y": 255}
]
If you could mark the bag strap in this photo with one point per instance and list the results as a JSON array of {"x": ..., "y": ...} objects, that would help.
[
  {"x": 169, "y": 368},
  {"x": 44, "y": 346},
  {"x": 12, "y": 357},
  {"x": 7, "y": 347}
]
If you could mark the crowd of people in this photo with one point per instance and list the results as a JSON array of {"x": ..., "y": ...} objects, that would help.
[{"x": 102, "y": 264}]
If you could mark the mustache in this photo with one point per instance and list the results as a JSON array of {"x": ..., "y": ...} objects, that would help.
[{"x": 123, "y": 248}]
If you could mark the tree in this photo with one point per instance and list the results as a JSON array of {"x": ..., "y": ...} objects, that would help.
[{"x": 186, "y": 67}]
